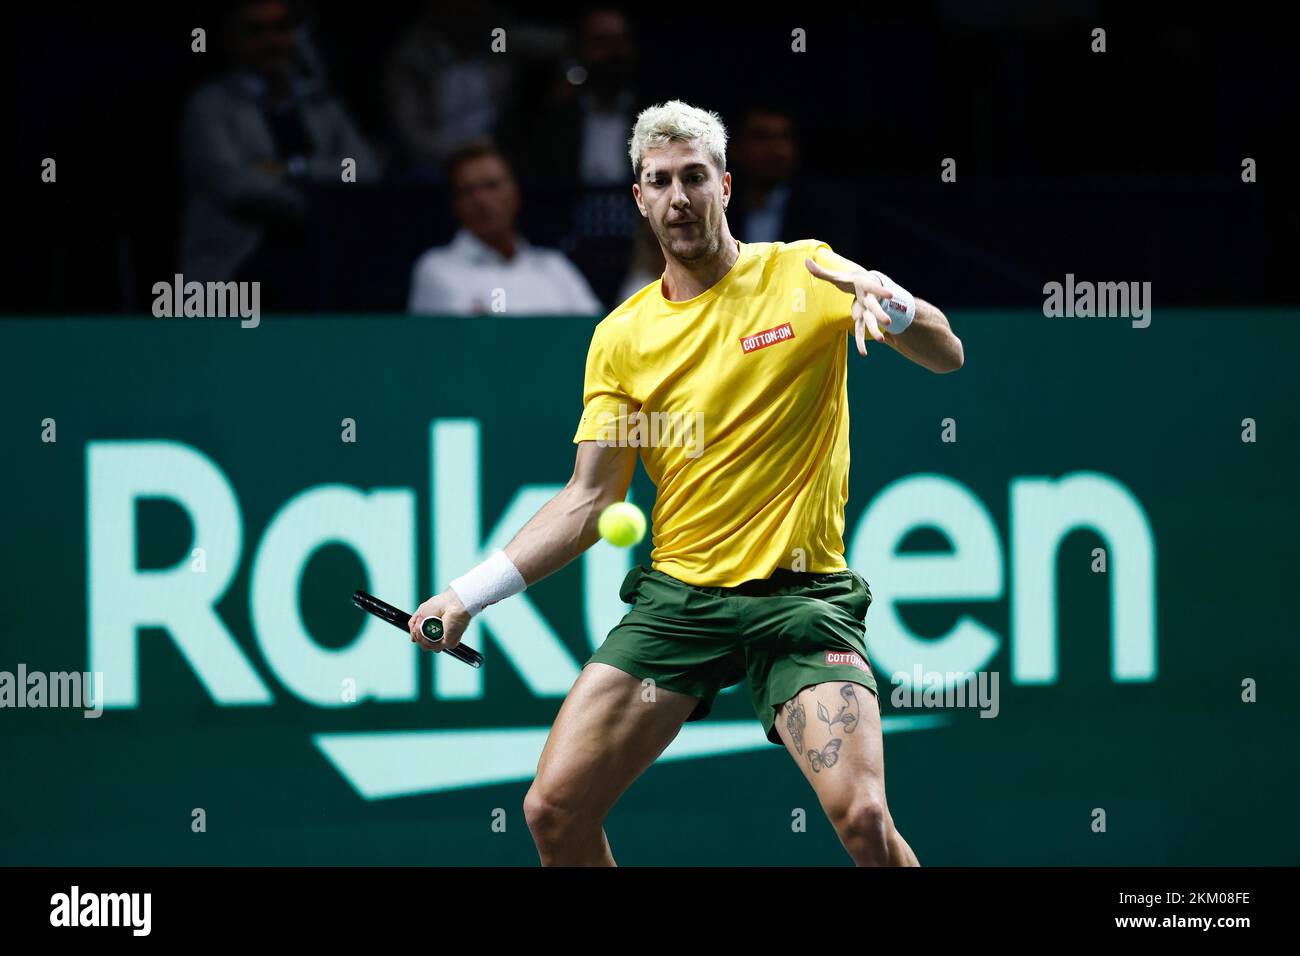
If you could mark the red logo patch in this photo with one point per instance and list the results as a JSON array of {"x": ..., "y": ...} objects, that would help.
[
  {"x": 852, "y": 658},
  {"x": 761, "y": 340}
]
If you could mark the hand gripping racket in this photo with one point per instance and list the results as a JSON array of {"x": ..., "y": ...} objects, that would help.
[{"x": 432, "y": 627}]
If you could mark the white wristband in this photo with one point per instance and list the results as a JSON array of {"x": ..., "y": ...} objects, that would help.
[
  {"x": 494, "y": 580},
  {"x": 901, "y": 308}
]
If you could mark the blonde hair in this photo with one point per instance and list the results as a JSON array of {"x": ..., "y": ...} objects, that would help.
[{"x": 660, "y": 124}]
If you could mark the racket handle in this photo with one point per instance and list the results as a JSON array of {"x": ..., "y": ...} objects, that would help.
[{"x": 432, "y": 629}]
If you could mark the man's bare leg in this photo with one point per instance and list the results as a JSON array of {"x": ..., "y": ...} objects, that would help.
[
  {"x": 832, "y": 731},
  {"x": 605, "y": 735}
]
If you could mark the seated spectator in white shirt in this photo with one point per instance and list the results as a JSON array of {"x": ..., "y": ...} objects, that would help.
[{"x": 488, "y": 267}]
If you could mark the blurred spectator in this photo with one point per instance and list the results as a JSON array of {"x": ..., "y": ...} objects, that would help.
[
  {"x": 446, "y": 85},
  {"x": 488, "y": 266},
  {"x": 770, "y": 203},
  {"x": 575, "y": 132},
  {"x": 581, "y": 129},
  {"x": 251, "y": 142}
]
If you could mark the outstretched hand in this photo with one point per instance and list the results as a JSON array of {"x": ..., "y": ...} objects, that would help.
[{"x": 867, "y": 292}]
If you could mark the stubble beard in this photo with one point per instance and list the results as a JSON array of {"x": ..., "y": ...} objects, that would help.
[{"x": 702, "y": 251}]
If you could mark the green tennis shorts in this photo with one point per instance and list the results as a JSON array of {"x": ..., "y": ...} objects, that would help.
[{"x": 786, "y": 632}]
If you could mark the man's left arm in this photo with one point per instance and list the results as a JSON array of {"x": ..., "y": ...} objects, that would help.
[{"x": 929, "y": 341}]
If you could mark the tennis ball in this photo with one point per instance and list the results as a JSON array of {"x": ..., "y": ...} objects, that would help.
[{"x": 622, "y": 524}]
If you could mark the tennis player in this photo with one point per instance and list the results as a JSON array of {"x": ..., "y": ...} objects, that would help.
[{"x": 747, "y": 575}]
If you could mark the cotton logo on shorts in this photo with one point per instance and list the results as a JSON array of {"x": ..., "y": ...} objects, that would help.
[
  {"x": 852, "y": 658},
  {"x": 761, "y": 340}
]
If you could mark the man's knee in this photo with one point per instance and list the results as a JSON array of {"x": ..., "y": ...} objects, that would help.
[
  {"x": 541, "y": 815},
  {"x": 550, "y": 817},
  {"x": 863, "y": 825}
]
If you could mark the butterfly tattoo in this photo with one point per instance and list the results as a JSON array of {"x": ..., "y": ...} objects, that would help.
[{"x": 826, "y": 757}]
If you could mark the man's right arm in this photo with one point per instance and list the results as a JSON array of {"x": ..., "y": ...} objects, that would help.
[
  {"x": 566, "y": 525},
  {"x": 563, "y": 529}
]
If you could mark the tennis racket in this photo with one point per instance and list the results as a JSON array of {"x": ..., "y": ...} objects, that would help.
[{"x": 431, "y": 628}]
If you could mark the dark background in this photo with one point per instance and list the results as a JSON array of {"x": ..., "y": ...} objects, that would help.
[{"x": 1124, "y": 165}]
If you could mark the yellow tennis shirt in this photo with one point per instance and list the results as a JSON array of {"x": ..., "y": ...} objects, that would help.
[{"x": 737, "y": 402}]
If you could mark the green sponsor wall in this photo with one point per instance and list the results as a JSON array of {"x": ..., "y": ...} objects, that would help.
[{"x": 447, "y": 410}]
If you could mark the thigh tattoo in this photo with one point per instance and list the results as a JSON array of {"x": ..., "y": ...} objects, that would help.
[
  {"x": 846, "y": 717},
  {"x": 795, "y": 721}
]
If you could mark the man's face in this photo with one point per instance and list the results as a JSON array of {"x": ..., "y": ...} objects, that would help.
[
  {"x": 683, "y": 197},
  {"x": 485, "y": 197},
  {"x": 766, "y": 149},
  {"x": 263, "y": 37}
]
